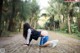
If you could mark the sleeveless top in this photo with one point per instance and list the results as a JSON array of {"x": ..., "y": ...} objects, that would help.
[{"x": 34, "y": 35}]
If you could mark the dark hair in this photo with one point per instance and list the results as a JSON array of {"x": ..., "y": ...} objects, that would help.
[{"x": 26, "y": 26}]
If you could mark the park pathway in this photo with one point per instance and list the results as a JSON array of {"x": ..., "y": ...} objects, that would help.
[{"x": 15, "y": 44}]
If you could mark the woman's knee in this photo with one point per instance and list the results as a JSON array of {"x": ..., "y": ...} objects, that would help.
[{"x": 44, "y": 33}]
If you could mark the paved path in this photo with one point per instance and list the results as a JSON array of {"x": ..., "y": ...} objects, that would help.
[{"x": 15, "y": 44}]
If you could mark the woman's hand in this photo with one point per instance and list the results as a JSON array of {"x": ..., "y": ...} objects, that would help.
[{"x": 26, "y": 44}]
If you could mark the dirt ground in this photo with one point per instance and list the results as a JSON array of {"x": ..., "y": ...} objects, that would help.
[{"x": 15, "y": 44}]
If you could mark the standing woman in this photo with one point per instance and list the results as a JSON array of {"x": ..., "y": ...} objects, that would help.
[{"x": 30, "y": 33}]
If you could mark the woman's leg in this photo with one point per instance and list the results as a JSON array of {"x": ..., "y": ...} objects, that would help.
[
  {"x": 53, "y": 43},
  {"x": 43, "y": 40},
  {"x": 47, "y": 43}
]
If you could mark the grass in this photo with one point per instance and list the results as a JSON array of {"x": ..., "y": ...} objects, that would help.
[{"x": 69, "y": 35}]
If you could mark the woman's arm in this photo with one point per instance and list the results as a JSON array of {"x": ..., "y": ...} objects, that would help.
[{"x": 28, "y": 36}]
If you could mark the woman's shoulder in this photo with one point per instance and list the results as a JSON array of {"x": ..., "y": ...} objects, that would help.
[
  {"x": 32, "y": 30},
  {"x": 29, "y": 30}
]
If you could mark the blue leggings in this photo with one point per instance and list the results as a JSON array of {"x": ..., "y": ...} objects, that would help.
[{"x": 43, "y": 40}]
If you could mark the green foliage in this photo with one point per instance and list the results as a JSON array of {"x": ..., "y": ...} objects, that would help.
[
  {"x": 14, "y": 12},
  {"x": 74, "y": 28},
  {"x": 68, "y": 10},
  {"x": 5, "y": 34},
  {"x": 78, "y": 34}
]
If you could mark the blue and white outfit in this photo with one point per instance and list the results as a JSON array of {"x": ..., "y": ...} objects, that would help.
[{"x": 43, "y": 40}]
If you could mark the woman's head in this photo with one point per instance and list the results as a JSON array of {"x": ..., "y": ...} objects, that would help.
[{"x": 26, "y": 26}]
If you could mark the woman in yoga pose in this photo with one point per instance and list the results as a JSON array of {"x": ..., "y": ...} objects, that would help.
[{"x": 29, "y": 33}]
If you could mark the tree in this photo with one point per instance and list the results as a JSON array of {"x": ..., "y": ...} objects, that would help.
[
  {"x": 14, "y": 12},
  {"x": 66, "y": 9},
  {"x": 33, "y": 13},
  {"x": 1, "y": 4}
]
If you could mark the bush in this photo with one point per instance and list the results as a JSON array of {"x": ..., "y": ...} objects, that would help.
[
  {"x": 5, "y": 34},
  {"x": 65, "y": 29},
  {"x": 78, "y": 34},
  {"x": 74, "y": 28}
]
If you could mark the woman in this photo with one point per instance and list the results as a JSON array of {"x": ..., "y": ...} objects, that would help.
[{"x": 30, "y": 33}]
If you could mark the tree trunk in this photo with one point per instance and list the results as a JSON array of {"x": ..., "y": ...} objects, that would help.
[
  {"x": 78, "y": 19},
  {"x": 69, "y": 25},
  {"x": 10, "y": 27},
  {"x": 11, "y": 23},
  {"x": 20, "y": 24},
  {"x": 31, "y": 20},
  {"x": 79, "y": 24},
  {"x": 1, "y": 4}
]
